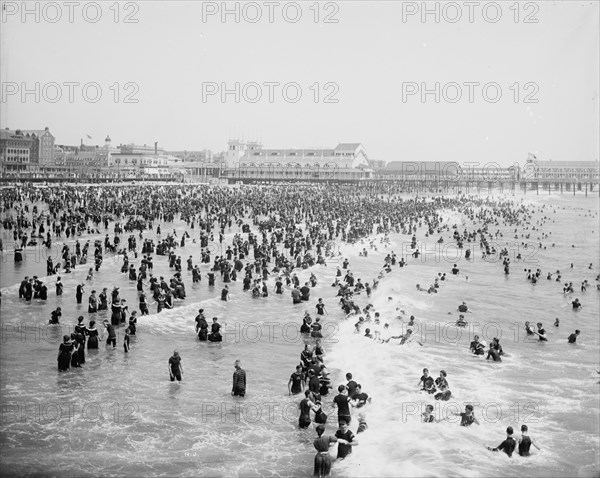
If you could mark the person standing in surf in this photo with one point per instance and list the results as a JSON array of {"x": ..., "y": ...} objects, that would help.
[
  {"x": 112, "y": 334},
  {"x": 126, "y": 340},
  {"x": 541, "y": 333},
  {"x": 346, "y": 440},
  {"x": 525, "y": 442},
  {"x": 342, "y": 402},
  {"x": 306, "y": 406},
  {"x": 467, "y": 418},
  {"x": 507, "y": 446},
  {"x": 296, "y": 384},
  {"x": 239, "y": 380},
  {"x": 175, "y": 367},
  {"x": 92, "y": 333},
  {"x": 323, "y": 459},
  {"x": 64, "y": 354}
]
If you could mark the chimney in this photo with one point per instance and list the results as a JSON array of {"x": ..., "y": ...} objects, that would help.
[{"x": 156, "y": 147}]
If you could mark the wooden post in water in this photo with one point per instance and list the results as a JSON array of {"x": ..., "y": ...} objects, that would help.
[{"x": 585, "y": 189}]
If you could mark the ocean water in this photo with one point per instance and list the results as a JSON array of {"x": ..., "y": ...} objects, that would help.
[{"x": 121, "y": 416}]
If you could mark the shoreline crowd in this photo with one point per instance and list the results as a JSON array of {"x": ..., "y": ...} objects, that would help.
[{"x": 281, "y": 230}]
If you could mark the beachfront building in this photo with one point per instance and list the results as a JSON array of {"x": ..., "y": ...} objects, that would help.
[
  {"x": 561, "y": 171},
  {"x": 15, "y": 152},
  {"x": 250, "y": 162},
  {"x": 143, "y": 162},
  {"x": 42, "y": 147},
  {"x": 196, "y": 166},
  {"x": 85, "y": 162}
]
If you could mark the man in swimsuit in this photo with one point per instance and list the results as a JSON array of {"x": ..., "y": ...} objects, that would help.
[
  {"x": 351, "y": 385},
  {"x": 175, "y": 367},
  {"x": 305, "y": 406},
  {"x": 344, "y": 433},
  {"x": 467, "y": 418},
  {"x": 525, "y": 442},
  {"x": 112, "y": 335},
  {"x": 342, "y": 402},
  {"x": 215, "y": 332},
  {"x": 573, "y": 337},
  {"x": 320, "y": 307},
  {"x": 296, "y": 296},
  {"x": 360, "y": 397},
  {"x": 508, "y": 445},
  {"x": 296, "y": 384},
  {"x": 305, "y": 292},
  {"x": 239, "y": 380}
]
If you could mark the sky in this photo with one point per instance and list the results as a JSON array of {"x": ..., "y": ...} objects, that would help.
[{"x": 477, "y": 82}]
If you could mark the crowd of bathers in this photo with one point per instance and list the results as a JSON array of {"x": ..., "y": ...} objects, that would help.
[{"x": 282, "y": 230}]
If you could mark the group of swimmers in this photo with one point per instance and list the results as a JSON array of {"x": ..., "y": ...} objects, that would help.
[{"x": 349, "y": 220}]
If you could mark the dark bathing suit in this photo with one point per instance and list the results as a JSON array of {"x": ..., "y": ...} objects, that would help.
[{"x": 175, "y": 371}]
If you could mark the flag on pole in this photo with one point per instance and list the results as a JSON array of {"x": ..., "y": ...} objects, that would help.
[
  {"x": 88, "y": 136},
  {"x": 531, "y": 157}
]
